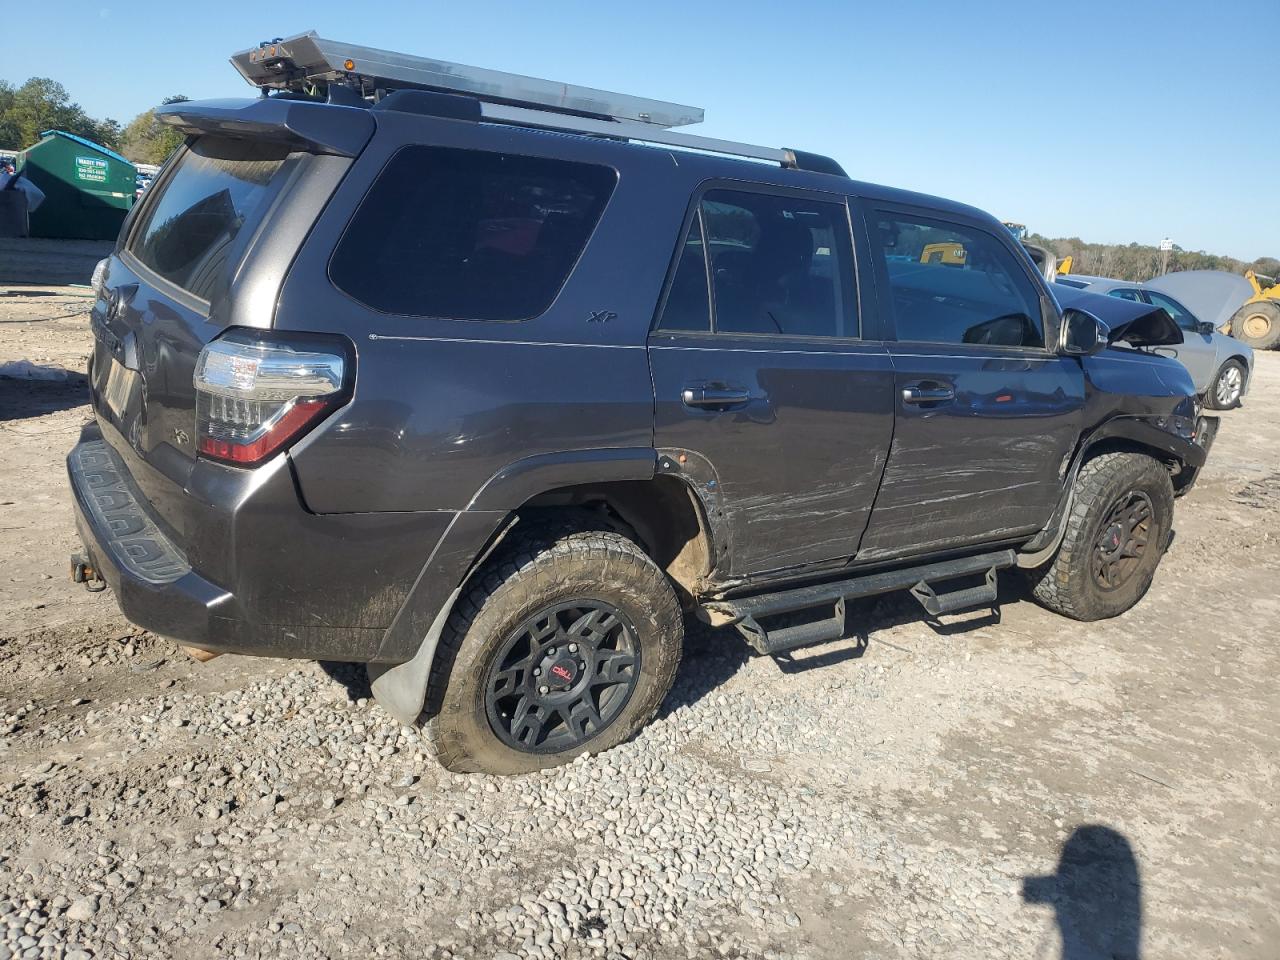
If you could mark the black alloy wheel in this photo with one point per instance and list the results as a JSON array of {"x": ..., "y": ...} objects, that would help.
[
  {"x": 562, "y": 677},
  {"x": 1122, "y": 540}
]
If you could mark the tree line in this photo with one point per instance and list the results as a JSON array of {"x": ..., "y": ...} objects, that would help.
[
  {"x": 1138, "y": 262},
  {"x": 42, "y": 104}
]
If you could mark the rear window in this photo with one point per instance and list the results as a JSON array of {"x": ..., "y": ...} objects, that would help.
[
  {"x": 462, "y": 234},
  {"x": 193, "y": 230}
]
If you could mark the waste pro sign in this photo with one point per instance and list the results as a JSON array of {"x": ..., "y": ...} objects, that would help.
[{"x": 91, "y": 169}]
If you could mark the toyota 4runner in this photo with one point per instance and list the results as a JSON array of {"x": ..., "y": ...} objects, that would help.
[{"x": 486, "y": 382}]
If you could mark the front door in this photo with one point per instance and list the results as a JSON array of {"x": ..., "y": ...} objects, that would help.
[
  {"x": 764, "y": 383},
  {"x": 987, "y": 415}
]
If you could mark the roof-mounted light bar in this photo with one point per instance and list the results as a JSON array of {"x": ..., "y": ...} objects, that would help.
[
  {"x": 306, "y": 60},
  {"x": 352, "y": 75}
]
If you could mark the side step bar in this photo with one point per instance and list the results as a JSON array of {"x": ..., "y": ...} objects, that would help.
[{"x": 747, "y": 611}]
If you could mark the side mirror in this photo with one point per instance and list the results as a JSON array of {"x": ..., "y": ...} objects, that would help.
[
  {"x": 1204, "y": 327},
  {"x": 1082, "y": 334}
]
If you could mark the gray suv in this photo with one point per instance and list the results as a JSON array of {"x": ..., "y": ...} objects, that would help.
[{"x": 489, "y": 392}]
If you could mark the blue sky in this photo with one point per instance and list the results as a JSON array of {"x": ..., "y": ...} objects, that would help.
[{"x": 1116, "y": 122}]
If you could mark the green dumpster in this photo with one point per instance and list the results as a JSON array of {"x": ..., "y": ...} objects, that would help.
[{"x": 88, "y": 188}]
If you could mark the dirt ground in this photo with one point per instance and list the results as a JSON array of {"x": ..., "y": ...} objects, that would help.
[{"x": 1011, "y": 785}]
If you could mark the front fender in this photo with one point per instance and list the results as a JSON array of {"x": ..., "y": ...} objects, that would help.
[{"x": 1144, "y": 433}]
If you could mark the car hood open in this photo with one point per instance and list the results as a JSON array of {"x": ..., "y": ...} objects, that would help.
[{"x": 1137, "y": 324}]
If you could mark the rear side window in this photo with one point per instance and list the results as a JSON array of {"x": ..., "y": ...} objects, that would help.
[
  {"x": 469, "y": 235},
  {"x": 193, "y": 231},
  {"x": 779, "y": 265},
  {"x": 688, "y": 305},
  {"x": 956, "y": 284}
]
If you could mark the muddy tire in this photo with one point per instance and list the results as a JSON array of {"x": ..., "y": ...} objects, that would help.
[
  {"x": 1118, "y": 528},
  {"x": 566, "y": 643},
  {"x": 1257, "y": 324},
  {"x": 1225, "y": 391}
]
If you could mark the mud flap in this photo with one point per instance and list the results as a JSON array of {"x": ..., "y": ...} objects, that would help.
[{"x": 402, "y": 689}]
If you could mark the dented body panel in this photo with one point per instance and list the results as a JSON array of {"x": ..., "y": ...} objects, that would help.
[{"x": 350, "y": 544}]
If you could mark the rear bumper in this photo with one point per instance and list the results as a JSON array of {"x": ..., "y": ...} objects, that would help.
[
  {"x": 251, "y": 570},
  {"x": 150, "y": 577}
]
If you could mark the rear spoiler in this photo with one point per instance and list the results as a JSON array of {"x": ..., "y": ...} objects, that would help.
[{"x": 316, "y": 127}]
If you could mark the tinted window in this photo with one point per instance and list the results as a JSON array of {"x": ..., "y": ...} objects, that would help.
[
  {"x": 779, "y": 265},
  {"x": 1181, "y": 315},
  {"x": 192, "y": 229},
  {"x": 954, "y": 284},
  {"x": 469, "y": 235},
  {"x": 1126, "y": 294},
  {"x": 688, "y": 306}
]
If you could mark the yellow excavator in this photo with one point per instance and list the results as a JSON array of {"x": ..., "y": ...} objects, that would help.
[{"x": 1257, "y": 322}]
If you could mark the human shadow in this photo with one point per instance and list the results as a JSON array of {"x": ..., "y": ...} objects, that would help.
[{"x": 1096, "y": 894}]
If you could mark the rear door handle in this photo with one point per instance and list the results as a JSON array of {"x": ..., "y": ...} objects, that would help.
[
  {"x": 927, "y": 393},
  {"x": 703, "y": 397}
]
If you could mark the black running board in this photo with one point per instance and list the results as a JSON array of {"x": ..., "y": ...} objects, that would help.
[{"x": 748, "y": 611}]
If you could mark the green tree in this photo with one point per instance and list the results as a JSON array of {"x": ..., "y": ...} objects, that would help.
[
  {"x": 147, "y": 140},
  {"x": 9, "y": 133},
  {"x": 1137, "y": 262},
  {"x": 42, "y": 104}
]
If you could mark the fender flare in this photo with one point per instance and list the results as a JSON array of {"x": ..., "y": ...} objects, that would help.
[
  {"x": 399, "y": 684},
  {"x": 1134, "y": 429}
]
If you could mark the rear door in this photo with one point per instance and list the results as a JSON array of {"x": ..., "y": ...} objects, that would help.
[
  {"x": 766, "y": 381},
  {"x": 987, "y": 415}
]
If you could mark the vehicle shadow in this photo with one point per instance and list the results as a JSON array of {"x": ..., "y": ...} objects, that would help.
[
  {"x": 352, "y": 677},
  {"x": 21, "y": 399},
  {"x": 1096, "y": 895},
  {"x": 713, "y": 655}
]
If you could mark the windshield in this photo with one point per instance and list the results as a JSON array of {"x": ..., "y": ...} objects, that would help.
[{"x": 193, "y": 230}]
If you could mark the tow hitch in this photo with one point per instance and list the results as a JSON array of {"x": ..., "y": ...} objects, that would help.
[{"x": 83, "y": 572}]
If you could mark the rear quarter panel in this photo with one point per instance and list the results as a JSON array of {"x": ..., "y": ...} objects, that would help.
[{"x": 442, "y": 405}]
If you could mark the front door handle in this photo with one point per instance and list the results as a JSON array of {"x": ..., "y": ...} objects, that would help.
[
  {"x": 927, "y": 393},
  {"x": 705, "y": 397}
]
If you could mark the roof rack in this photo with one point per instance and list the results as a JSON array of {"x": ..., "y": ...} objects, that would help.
[{"x": 311, "y": 65}]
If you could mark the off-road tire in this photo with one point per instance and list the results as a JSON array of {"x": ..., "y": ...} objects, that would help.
[
  {"x": 1211, "y": 395},
  {"x": 1262, "y": 310},
  {"x": 541, "y": 565},
  {"x": 1066, "y": 584}
]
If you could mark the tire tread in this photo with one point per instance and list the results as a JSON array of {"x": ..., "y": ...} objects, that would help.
[
  {"x": 523, "y": 566},
  {"x": 1055, "y": 585}
]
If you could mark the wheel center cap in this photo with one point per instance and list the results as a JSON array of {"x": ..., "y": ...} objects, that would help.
[
  {"x": 562, "y": 673},
  {"x": 1113, "y": 538}
]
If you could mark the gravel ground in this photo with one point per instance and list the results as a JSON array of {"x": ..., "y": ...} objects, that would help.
[{"x": 1011, "y": 785}]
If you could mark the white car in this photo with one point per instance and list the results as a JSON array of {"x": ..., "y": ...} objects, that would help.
[{"x": 1220, "y": 366}]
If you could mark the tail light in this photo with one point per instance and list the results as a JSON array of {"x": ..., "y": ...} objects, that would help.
[
  {"x": 256, "y": 393},
  {"x": 97, "y": 283}
]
